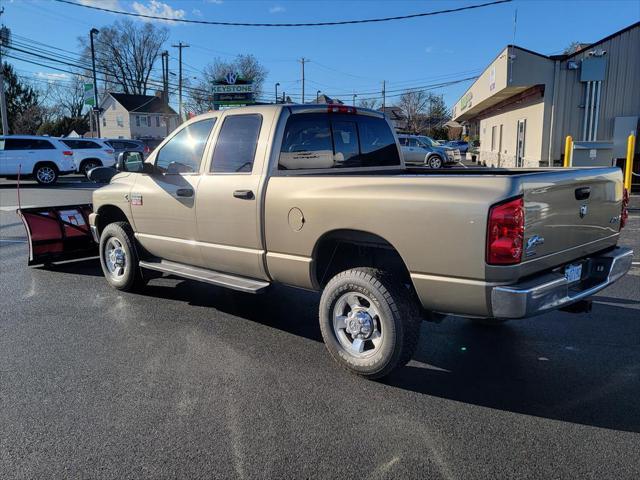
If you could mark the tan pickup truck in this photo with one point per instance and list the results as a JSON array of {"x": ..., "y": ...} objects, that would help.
[{"x": 319, "y": 198}]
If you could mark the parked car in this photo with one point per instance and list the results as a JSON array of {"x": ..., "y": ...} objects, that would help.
[
  {"x": 419, "y": 150},
  {"x": 320, "y": 198},
  {"x": 42, "y": 158},
  {"x": 120, "y": 145},
  {"x": 459, "y": 144},
  {"x": 90, "y": 153}
]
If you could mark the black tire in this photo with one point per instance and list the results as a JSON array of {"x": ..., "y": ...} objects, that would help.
[
  {"x": 46, "y": 173},
  {"x": 89, "y": 165},
  {"x": 398, "y": 321},
  {"x": 129, "y": 278},
  {"x": 435, "y": 162}
]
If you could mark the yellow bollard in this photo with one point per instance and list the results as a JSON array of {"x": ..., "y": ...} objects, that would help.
[
  {"x": 628, "y": 167},
  {"x": 568, "y": 149}
]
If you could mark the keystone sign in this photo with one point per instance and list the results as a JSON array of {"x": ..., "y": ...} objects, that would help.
[{"x": 232, "y": 90}]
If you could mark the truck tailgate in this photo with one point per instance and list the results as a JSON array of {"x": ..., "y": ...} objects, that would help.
[{"x": 565, "y": 209}]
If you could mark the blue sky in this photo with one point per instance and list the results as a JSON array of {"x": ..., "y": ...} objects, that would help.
[{"x": 343, "y": 59}]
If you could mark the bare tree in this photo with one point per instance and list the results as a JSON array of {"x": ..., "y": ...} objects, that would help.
[
  {"x": 413, "y": 104},
  {"x": 69, "y": 98},
  {"x": 126, "y": 53},
  {"x": 371, "y": 103}
]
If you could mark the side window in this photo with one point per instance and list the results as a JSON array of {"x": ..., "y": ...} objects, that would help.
[
  {"x": 377, "y": 145},
  {"x": 41, "y": 145},
  {"x": 17, "y": 144},
  {"x": 236, "y": 144},
  {"x": 183, "y": 153},
  {"x": 73, "y": 144},
  {"x": 402, "y": 141},
  {"x": 307, "y": 143}
]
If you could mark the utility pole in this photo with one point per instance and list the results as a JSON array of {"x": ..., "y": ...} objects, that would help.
[
  {"x": 353, "y": 102},
  {"x": 96, "y": 107},
  {"x": 303, "y": 61},
  {"x": 4, "y": 41},
  {"x": 180, "y": 46},
  {"x": 277, "y": 85},
  {"x": 165, "y": 87},
  {"x": 284, "y": 97},
  {"x": 384, "y": 93}
]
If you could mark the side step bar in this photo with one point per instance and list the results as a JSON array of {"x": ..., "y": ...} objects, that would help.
[{"x": 242, "y": 284}]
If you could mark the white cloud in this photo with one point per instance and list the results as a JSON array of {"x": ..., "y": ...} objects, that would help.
[
  {"x": 196, "y": 13},
  {"x": 217, "y": 2},
  {"x": 277, "y": 9},
  {"x": 52, "y": 76},
  {"x": 158, "y": 9}
]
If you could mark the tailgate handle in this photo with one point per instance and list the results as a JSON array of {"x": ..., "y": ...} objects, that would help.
[{"x": 583, "y": 193}]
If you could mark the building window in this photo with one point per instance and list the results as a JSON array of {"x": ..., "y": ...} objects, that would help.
[
  {"x": 148, "y": 120},
  {"x": 493, "y": 138},
  {"x": 157, "y": 120},
  {"x": 137, "y": 120},
  {"x": 119, "y": 121},
  {"x": 104, "y": 121}
]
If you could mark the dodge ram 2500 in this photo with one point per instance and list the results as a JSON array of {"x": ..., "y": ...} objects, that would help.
[{"x": 319, "y": 197}]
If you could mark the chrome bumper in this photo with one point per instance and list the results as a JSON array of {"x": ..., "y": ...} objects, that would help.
[{"x": 552, "y": 290}]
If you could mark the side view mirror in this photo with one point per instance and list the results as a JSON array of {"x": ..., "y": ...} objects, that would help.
[
  {"x": 101, "y": 174},
  {"x": 133, "y": 162}
]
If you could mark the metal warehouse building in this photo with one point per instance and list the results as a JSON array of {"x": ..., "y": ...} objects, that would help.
[{"x": 524, "y": 104}]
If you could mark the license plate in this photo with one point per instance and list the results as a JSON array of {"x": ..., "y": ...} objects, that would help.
[{"x": 573, "y": 273}]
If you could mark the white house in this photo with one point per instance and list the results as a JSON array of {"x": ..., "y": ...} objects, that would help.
[{"x": 136, "y": 116}]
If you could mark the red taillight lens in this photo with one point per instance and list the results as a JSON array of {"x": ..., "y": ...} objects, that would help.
[
  {"x": 110, "y": 152},
  {"x": 341, "y": 109},
  {"x": 505, "y": 233},
  {"x": 67, "y": 153},
  {"x": 146, "y": 149},
  {"x": 624, "y": 214}
]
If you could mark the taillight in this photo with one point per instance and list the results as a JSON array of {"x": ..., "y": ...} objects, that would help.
[
  {"x": 341, "y": 109},
  {"x": 505, "y": 233},
  {"x": 624, "y": 214},
  {"x": 110, "y": 152},
  {"x": 146, "y": 149},
  {"x": 67, "y": 153}
]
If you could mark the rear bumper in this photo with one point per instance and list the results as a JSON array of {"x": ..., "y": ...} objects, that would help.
[{"x": 552, "y": 290}]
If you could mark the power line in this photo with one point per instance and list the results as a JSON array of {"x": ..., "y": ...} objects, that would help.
[{"x": 314, "y": 24}]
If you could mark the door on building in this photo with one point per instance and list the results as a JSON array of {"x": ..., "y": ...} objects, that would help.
[{"x": 520, "y": 142}]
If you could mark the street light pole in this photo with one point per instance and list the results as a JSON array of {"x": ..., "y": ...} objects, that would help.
[
  {"x": 318, "y": 96},
  {"x": 277, "y": 85},
  {"x": 96, "y": 108}
]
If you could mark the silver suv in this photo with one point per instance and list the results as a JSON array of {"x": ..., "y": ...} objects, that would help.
[{"x": 419, "y": 150}]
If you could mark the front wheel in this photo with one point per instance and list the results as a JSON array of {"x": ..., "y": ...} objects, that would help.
[
  {"x": 369, "y": 322},
  {"x": 119, "y": 258},
  {"x": 434, "y": 161}
]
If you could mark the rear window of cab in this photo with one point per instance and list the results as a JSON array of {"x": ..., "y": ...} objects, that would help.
[{"x": 321, "y": 141}]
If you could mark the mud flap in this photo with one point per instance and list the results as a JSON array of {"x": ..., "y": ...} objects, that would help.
[{"x": 58, "y": 233}]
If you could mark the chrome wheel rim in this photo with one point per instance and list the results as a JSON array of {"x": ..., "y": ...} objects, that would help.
[
  {"x": 46, "y": 174},
  {"x": 89, "y": 166},
  {"x": 115, "y": 257},
  {"x": 435, "y": 162},
  {"x": 357, "y": 325}
]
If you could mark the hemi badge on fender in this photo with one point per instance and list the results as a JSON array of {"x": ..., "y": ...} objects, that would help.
[{"x": 136, "y": 199}]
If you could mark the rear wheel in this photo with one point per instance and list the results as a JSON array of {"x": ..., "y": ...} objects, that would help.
[
  {"x": 89, "y": 165},
  {"x": 434, "y": 161},
  {"x": 119, "y": 258},
  {"x": 369, "y": 322},
  {"x": 46, "y": 174}
]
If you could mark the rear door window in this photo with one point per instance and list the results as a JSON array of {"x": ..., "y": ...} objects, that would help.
[
  {"x": 38, "y": 144},
  {"x": 80, "y": 144},
  {"x": 236, "y": 145},
  {"x": 17, "y": 144},
  {"x": 183, "y": 152}
]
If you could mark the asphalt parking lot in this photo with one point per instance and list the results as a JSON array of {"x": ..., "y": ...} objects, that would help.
[{"x": 189, "y": 380}]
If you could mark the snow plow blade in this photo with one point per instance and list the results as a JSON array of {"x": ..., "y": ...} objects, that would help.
[{"x": 58, "y": 233}]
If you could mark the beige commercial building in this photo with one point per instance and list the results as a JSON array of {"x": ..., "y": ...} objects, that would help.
[{"x": 524, "y": 104}]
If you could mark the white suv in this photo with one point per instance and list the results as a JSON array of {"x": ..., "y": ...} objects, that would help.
[
  {"x": 44, "y": 158},
  {"x": 90, "y": 153}
]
